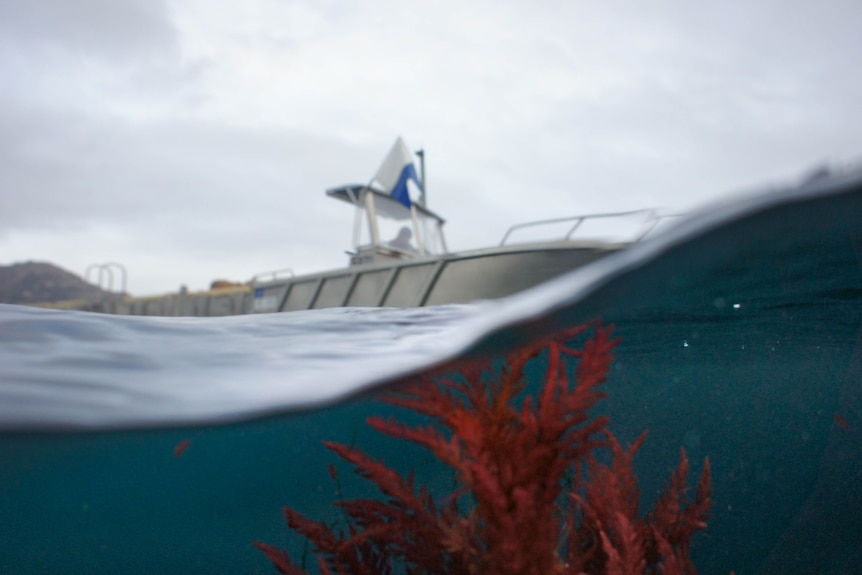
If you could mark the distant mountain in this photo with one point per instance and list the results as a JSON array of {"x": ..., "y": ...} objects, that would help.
[{"x": 38, "y": 282}]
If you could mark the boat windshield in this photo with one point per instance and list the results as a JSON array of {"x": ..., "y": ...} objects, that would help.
[
  {"x": 431, "y": 232},
  {"x": 387, "y": 223},
  {"x": 395, "y": 225}
]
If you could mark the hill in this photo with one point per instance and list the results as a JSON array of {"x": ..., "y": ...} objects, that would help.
[{"x": 35, "y": 282}]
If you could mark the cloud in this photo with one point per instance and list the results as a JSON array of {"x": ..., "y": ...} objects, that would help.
[{"x": 103, "y": 29}]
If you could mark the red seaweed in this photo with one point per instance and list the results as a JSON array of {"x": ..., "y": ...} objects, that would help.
[
  {"x": 532, "y": 496},
  {"x": 842, "y": 423},
  {"x": 181, "y": 447}
]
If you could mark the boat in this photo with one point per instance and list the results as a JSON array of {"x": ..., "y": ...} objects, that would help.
[{"x": 400, "y": 258}]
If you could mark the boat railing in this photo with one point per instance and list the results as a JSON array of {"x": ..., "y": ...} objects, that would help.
[
  {"x": 272, "y": 275},
  {"x": 651, "y": 219},
  {"x": 106, "y": 276}
]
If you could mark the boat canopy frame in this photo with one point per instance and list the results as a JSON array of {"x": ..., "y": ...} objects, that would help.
[{"x": 371, "y": 205}]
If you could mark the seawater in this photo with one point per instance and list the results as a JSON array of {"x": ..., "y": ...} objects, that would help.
[{"x": 169, "y": 445}]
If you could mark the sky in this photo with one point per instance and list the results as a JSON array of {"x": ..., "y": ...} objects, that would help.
[{"x": 193, "y": 140}]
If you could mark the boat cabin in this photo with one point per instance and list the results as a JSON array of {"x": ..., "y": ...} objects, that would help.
[{"x": 385, "y": 229}]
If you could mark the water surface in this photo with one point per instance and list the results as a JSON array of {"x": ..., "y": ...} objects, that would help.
[{"x": 148, "y": 445}]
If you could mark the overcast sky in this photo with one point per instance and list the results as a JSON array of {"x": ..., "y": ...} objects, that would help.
[{"x": 193, "y": 139}]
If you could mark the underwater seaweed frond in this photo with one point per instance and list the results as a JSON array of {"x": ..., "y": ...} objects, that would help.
[
  {"x": 610, "y": 538},
  {"x": 280, "y": 559},
  {"x": 673, "y": 524},
  {"x": 512, "y": 461},
  {"x": 531, "y": 497}
]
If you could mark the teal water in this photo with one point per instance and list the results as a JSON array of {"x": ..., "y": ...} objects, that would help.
[{"x": 741, "y": 340}]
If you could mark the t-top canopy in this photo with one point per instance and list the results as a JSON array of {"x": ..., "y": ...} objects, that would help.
[{"x": 354, "y": 194}]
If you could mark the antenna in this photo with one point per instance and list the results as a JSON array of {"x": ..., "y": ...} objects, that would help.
[{"x": 421, "y": 154}]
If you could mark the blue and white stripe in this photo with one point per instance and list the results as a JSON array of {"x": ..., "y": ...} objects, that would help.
[{"x": 397, "y": 175}]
